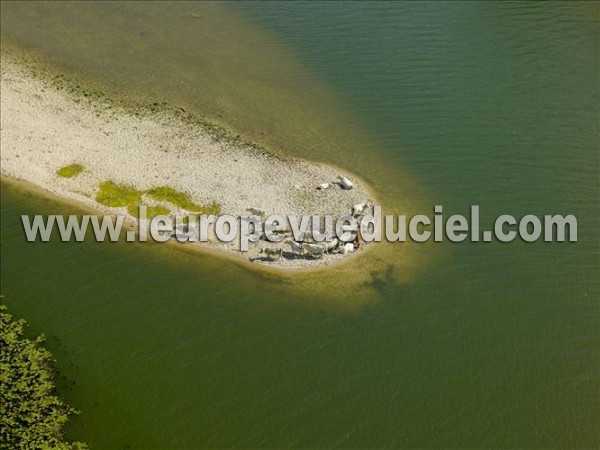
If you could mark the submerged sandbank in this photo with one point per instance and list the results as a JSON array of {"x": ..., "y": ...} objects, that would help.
[{"x": 45, "y": 128}]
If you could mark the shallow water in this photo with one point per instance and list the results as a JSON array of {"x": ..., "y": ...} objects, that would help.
[{"x": 451, "y": 345}]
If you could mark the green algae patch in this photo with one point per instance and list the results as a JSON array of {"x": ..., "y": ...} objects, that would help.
[
  {"x": 151, "y": 211},
  {"x": 118, "y": 195},
  {"x": 168, "y": 194},
  {"x": 211, "y": 209},
  {"x": 112, "y": 194},
  {"x": 70, "y": 171},
  {"x": 182, "y": 200}
]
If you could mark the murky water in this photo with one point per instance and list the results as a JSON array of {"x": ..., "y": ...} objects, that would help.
[{"x": 450, "y": 345}]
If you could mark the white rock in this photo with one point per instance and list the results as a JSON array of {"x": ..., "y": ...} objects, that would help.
[
  {"x": 360, "y": 208},
  {"x": 348, "y": 248},
  {"x": 345, "y": 183},
  {"x": 297, "y": 247},
  {"x": 331, "y": 245}
]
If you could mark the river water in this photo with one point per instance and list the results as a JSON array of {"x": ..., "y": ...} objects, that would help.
[{"x": 438, "y": 345}]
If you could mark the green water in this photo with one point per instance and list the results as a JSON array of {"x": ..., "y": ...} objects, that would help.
[{"x": 463, "y": 345}]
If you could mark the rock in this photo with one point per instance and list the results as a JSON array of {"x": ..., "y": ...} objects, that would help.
[
  {"x": 360, "y": 208},
  {"x": 348, "y": 248},
  {"x": 315, "y": 250},
  {"x": 272, "y": 254},
  {"x": 332, "y": 245},
  {"x": 297, "y": 247},
  {"x": 345, "y": 183}
]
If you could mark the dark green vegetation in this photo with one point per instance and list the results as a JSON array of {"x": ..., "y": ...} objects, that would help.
[
  {"x": 70, "y": 171},
  {"x": 31, "y": 415}
]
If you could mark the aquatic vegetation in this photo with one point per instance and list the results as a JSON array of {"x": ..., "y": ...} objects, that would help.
[
  {"x": 182, "y": 200},
  {"x": 32, "y": 416},
  {"x": 112, "y": 194},
  {"x": 70, "y": 171}
]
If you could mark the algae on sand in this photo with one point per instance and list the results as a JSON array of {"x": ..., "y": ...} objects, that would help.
[
  {"x": 182, "y": 200},
  {"x": 70, "y": 171},
  {"x": 151, "y": 211},
  {"x": 116, "y": 195}
]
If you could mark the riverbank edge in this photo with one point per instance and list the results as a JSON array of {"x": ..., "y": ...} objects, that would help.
[{"x": 207, "y": 249}]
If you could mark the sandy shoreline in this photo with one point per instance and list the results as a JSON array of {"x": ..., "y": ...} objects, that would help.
[{"x": 44, "y": 129}]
